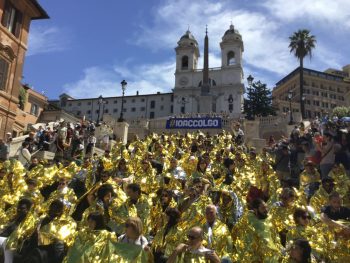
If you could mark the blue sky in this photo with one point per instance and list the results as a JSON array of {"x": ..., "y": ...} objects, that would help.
[{"x": 88, "y": 46}]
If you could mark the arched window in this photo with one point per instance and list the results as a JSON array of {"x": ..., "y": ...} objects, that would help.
[
  {"x": 184, "y": 62},
  {"x": 231, "y": 58}
]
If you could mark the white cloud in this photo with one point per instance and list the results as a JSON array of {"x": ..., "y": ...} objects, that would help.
[
  {"x": 335, "y": 12},
  {"x": 146, "y": 79},
  {"x": 46, "y": 39},
  {"x": 265, "y": 33},
  {"x": 264, "y": 47}
]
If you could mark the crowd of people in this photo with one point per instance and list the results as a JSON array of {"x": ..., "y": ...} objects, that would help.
[
  {"x": 181, "y": 198},
  {"x": 65, "y": 140}
]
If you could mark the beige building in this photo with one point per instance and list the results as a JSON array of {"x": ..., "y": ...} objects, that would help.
[
  {"x": 323, "y": 91},
  {"x": 29, "y": 111},
  {"x": 16, "y": 17}
]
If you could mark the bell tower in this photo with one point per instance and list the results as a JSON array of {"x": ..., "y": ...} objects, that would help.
[
  {"x": 231, "y": 48},
  {"x": 187, "y": 52}
]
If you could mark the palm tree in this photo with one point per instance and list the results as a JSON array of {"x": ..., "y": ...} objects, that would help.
[{"x": 301, "y": 44}]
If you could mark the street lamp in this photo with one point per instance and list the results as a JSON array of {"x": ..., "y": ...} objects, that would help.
[
  {"x": 290, "y": 95},
  {"x": 249, "y": 106},
  {"x": 250, "y": 80},
  {"x": 99, "y": 102},
  {"x": 123, "y": 83}
]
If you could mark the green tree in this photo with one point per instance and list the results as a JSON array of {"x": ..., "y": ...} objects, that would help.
[
  {"x": 258, "y": 101},
  {"x": 301, "y": 45},
  {"x": 341, "y": 111},
  {"x": 22, "y": 97}
]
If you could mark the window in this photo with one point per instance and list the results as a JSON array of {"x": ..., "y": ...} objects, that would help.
[
  {"x": 230, "y": 107},
  {"x": 161, "y": 98},
  {"x": 106, "y": 110},
  {"x": 162, "y": 107},
  {"x": 12, "y": 19},
  {"x": 142, "y": 100},
  {"x": 124, "y": 101},
  {"x": 151, "y": 115},
  {"x": 115, "y": 110},
  {"x": 88, "y": 112},
  {"x": 133, "y": 100},
  {"x": 142, "y": 109},
  {"x": 78, "y": 113},
  {"x": 231, "y": 58},
  {"x": 124, "y": 109},
  {"x": 106, "y": 101},
  {"x": 79, "y": 103},
  {"x": 115, "y": 101},
  {"x": 133, "y": 109},
  {"x": 184, "y": 62},
  {"x": 316, "y": 103},
  {"x": 4, "y": 66},
  {"x": 172, "y": 98},
  {"x": 89, "y": 103},
  {"x": 34, "y": 110},
  {"x": 171, "y": 109},
  {"x": 182, "y": 109},
  {"x": 153, "y": 104},
  {"x": 70, "y": 104},
  {"x": 97, "y": 111}
]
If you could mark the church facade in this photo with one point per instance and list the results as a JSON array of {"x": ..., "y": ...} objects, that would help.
[
  {"x": 217, "y": 90},
  {"x": 208, "y": 90}
]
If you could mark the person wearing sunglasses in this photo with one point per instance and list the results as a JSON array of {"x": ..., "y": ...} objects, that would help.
[
  {"x": 133, "y": 233},
  {"x": 193, "y": 250},
  {"x": 304, "y": 230},
  {"x": 63, "y": 193}
]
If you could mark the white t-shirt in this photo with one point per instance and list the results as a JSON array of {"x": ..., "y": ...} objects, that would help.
[
  {"x": 24, "y": 156},
  {"x": 141, "y": 241}
]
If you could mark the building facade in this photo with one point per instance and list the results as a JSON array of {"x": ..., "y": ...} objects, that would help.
[
  {"x": 323, "y": 91},
  {"x": 224, "y": 91},
  {"x": 218, "y": 90},
  {"x": 16, "y": 17},
  {"x": 135, "y": 107},
  {"x": 29, "y": 109}
]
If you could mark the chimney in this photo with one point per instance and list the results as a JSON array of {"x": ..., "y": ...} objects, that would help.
[{"x": 137, "y": 93}]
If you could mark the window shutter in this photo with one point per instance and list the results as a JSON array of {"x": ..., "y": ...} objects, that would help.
[
  {"x": 4, "y": 65},
  {"x": 6, "y": 15},
  {"x": 18, "y": 26}
]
